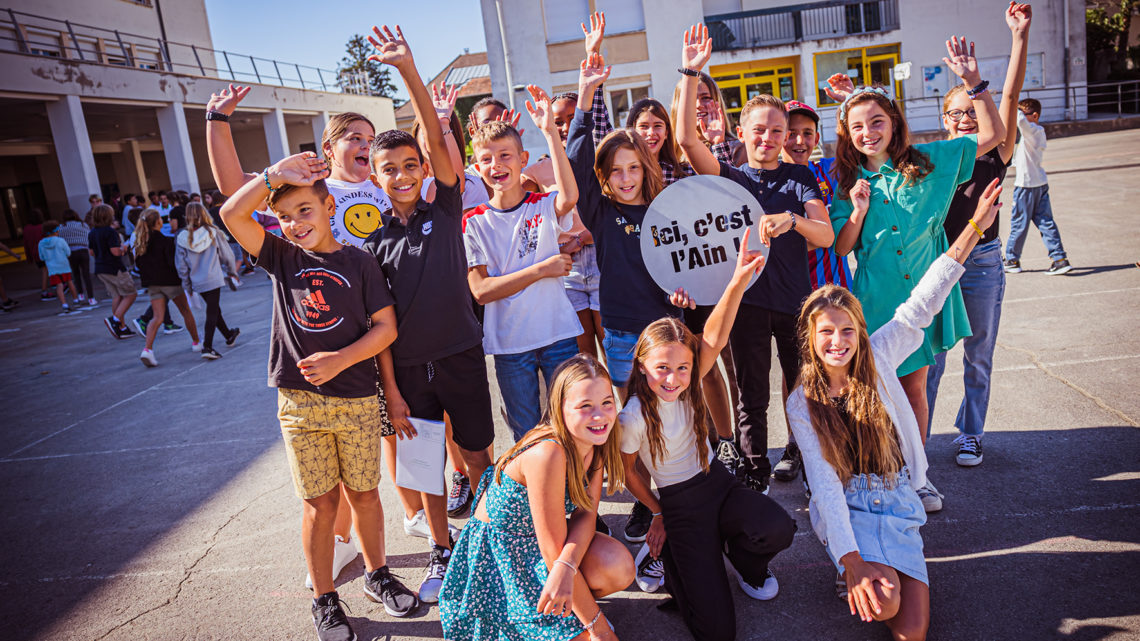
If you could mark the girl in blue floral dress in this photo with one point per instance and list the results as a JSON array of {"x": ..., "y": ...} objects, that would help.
[{"x": 522, "y": 570}]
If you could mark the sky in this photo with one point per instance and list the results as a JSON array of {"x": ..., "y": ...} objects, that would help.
[{"x": 290, "y": 31}]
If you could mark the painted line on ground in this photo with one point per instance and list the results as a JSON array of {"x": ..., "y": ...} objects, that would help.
[
  {"x": 1075, "y": 361},
  {"x": 7, "y": 331},
  {"x": 1051, "y": 296},
  {"x": 130, "y": 450}
]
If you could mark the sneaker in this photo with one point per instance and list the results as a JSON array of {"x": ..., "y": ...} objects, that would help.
[
  {"x": 232, "y": 283},
  {"x": 969, "y": 450},
  {"x": 763, "y": 592},
  {"x": 141, "y": 324},
  {"x": 931, "y": 498},
  {"x": 125, "y": 332},
  {"x": 9, "y": 304},
  {"x": 91, "y": 302},
  {"x": 1012, "y": 266},
  {"x": 650, "y": 571},
  {"x": 790, "y": 463},
  {"x": 637, "y": 527},
  {"x": 755, "y": 482},
  {"x": 343, "y": 554},
  {"x": 1059, "y": 267},
  {"x": 330, "y": 620},
  {"x": 66, "y": 311},
  {"x": 112, "y": 326},
  {"x": 840, "y": 586},
  {"x": 232, "y": 338},
  {"x": 196, "y": 347},
  {"x": 171, "y": 328},
  {"x": 418, "y": 526},
  {"x": 46, "y": 295},
  {"x": 210, "y": 354},
  {"x": 601, "y": 526},
  {"x": 148, "y": 359},
  {"x": 380, "y": 586},
  {"x": 728, "y": 454},
  {"x": 436, "y": 569},
  {"x": 459, "y": 500},
  {"x": 248, "y": 269}
]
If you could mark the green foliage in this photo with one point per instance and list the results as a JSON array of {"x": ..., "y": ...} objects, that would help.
[{"x": 355, "y": 63}]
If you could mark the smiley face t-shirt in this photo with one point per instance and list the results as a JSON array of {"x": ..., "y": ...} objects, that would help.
[{"x": 358, "y": 209}]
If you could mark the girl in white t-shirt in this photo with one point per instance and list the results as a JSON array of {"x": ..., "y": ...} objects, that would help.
[{"x": 706, "y": 523}]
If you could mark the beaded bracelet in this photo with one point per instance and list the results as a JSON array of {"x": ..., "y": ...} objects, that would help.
[
  {"x": 980, "y": 89},
  {"x": 265, "y": 175},
  {"x": 590, "y": 626}
]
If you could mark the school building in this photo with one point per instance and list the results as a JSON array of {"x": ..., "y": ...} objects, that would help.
[
  {"x": 109, "y": 96},
  {"x": 788, "y": 50}
]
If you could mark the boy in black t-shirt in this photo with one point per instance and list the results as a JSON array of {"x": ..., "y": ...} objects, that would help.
[
  {"x": 436, "y": 363},
  {"x": 332, "y": 314}
]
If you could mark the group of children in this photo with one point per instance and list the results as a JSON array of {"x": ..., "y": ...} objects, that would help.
[{"x": 390, "y": 254}]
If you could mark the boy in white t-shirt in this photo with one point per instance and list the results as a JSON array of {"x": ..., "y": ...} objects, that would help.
[{"x": 515, "y": 266}]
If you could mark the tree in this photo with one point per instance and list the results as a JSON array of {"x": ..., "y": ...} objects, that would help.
[
  {"x": 1107, "y": 33},
  {"x": 357, "y": 74}
]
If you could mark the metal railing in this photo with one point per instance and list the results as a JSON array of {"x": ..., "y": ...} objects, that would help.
[
  {"x": 797, "y": 23},
  {"x": 1120, "y": 97},
  {"x": 39, "y": 35}
]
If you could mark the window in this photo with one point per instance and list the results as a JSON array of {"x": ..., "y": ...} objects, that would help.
[
  {"x": 865, "y": 66},
  {"x": 741, "y": 82},
  {"x": 622, "y": 99},
  {"x": 564, "y": 18},
  {"x": 622, "y": 16}
]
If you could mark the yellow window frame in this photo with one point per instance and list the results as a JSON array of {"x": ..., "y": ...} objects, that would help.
[
  {"x": 865, "y": 66},
  {"x": 781, "y": 69}
]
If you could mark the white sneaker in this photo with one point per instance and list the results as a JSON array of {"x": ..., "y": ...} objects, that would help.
[
  {"x": 418, "y": 526},
  {"x": 148, "y": 359},
  {"x": 969, "y": 450},
  {"x": 343, "y": 554},
  {"x": 436, "y": 570},
  {"x": 765, "y": 592},
  {"x": 92, "y": 302},
  {"x": 931, "y": 498},
  {"x": 650, "y": 571},
  {"x": 196, "y": 347}
]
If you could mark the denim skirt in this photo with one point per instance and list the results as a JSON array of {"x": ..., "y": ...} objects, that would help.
[{"x": 885, "y": 517}]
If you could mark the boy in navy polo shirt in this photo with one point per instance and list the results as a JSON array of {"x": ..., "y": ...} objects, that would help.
[
  {"x": 436, "y": 363},
  {"x": 794, "y": 216}
]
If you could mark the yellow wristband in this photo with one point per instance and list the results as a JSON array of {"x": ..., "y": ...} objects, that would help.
[{"x": 976, "y": 228}]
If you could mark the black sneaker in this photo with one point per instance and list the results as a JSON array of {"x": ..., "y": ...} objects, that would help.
[
  {"x": 171, "y": 328},
  {"x": 210, "y": 354},
  {"x": 1059, "y": 267},
  {"x": 600, "y": 526},
  {"x": 728, "y": 454},
  {"x": 638, "y": 524},
  {"x": 1012, "y": 266},
  {"x": 141, "y": 324},
  {"x": 381, "y": 587},
  {"x": 124, "y": 332},
  {"x": 790, "y": 463},
  {"x": 112, "y": 326},
  {"x": 459, "y": 500},
  {"x": 758, "y": 482},
  {"x": 232, "y": 338},
  {"x": 9, "y": 304},
  {"x": 330, "y": 620},
  {"x": 248, "y": 269}
]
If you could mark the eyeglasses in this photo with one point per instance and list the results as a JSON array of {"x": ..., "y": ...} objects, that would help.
[{"x": 956, "y": 114}]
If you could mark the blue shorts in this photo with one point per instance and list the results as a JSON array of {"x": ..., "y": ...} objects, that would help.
[
  {"x": 583, "y": 280},
  {"x": 885, "y": 518},
  {"x": 619, "y": 347}
]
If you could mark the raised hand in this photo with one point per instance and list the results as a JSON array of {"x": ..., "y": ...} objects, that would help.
[
  {"x": 443, "y": 99},
  {"x": 390, "y": 49},
  {"x": 712, "y": 125},
  {"x": 595, "y": 33},
  {"x": 839, "y": 86},
  {"x": 592, "y": 73},
  {"x": 861, "y": 195},
  {"x": 697, "y": 48},
  {"x": 299, "y": 169},
  {"x": 1018, "y": 17},
  {"x": 961, "y": 60},
  {"x": 748, "y": 262},
  {"x": 226, "y": 101},
  {"x": 541, "y": 112}
]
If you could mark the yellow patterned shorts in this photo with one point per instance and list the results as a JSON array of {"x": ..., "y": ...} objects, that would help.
[{"x": 330, "y": 439}]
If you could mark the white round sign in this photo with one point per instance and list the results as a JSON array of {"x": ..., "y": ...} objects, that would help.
[{"x": 690, "y": 236}]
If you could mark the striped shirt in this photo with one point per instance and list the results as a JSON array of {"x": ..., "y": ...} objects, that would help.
[
  {"x": 75, "y": 233},
  {"x": 824, "y": 265}
]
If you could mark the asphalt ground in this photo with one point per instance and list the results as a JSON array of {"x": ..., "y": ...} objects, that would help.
[{"x": 156, "y": 503}]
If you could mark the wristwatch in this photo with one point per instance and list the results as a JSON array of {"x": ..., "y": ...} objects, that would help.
[
  {"x": 217, "y": 115},
  {"x": 689, "y": 72}
]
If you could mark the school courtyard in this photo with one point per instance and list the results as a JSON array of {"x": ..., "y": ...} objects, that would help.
[{"x": 156, "y": 503}]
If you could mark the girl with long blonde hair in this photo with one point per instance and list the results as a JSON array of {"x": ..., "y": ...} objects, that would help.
[
  {"x": 861, "y": 442},
  {"x": 155, "y": 257},
  {"x": 521, "y": 568},
  {"x": 205, "y": 263}
]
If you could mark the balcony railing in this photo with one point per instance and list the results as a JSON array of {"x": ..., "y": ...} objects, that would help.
[
  {"x": 50, "y": 37},
  {"x": 796, "y": 23}
]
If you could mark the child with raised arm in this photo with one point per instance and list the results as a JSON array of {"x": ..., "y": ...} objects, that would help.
[
  {"x": 891, "y": 202},
  {"x": 529, "y": 564},
  {"x": 436, "y": 364},
  {"x": 861, "y": 442},
  {"x": 795, "y": 216},
  {"x": 515, "y": 265},
  {"x": 706, "y": 523},
  {"x": 332, "y": 314}
]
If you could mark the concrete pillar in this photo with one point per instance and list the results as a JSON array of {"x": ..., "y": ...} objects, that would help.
[
  {"x": 73, "y": 150},
  {"x": 276, "y": 139},
  {"x": 320, "y": 121},
  {"x": 138, "y": 171},
  {"x": 176, "y": 147}
]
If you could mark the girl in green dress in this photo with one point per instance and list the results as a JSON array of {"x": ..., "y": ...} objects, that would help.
[
  {"x": 522, "y": 570},
  {"x": 890, "y": 206}
]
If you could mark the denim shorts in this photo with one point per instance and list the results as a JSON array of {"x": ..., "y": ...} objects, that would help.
[
  {"x": 582, "y": 281},
  {"x": 885, "y": 517},
  {"x": 619, "y": 346}
]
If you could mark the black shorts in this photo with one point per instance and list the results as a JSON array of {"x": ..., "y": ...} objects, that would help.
[
  {"x": 695, "y": 319},
  {"x": 455, "y": 384}
]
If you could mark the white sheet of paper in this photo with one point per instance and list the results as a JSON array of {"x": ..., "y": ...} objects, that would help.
[{"x": 420, "y": 461}]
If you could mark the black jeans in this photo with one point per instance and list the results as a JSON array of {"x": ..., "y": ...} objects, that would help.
[
  {"x": 81, "y": 271},
  {"x": 213, "y": 317},
  {"x": 751, "y": 342},
  {"x": 704, "y": 516}
]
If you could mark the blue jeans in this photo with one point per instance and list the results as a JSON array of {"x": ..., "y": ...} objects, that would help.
[
  {"x": 518, "y": 381},
  {"x": 983, "y": 288},
  {"x": 619, "y": 346},
  {"x": 1032, "y": 203}
]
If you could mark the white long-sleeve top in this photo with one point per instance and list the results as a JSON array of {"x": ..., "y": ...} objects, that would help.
[
  {"x": 890, "y": 346},
  {"x": 1028, "y": 156}
]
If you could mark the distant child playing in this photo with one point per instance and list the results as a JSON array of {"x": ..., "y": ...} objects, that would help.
[
  {"x": 154, "y": 257},
  {"x": 56, "y": 254}
]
